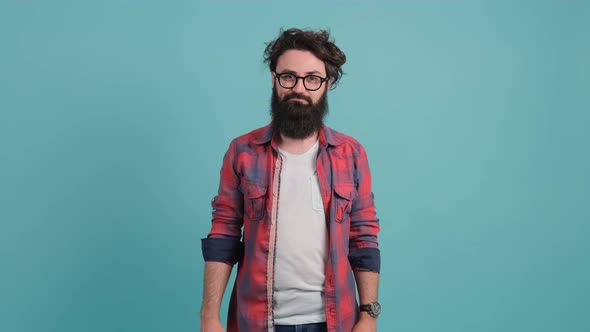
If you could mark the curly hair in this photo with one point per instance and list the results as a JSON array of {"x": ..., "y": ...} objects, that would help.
[{"x": 317, "y": 42}]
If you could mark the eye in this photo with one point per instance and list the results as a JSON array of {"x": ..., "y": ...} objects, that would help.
[
  {"x": 313, "y": 79},
  {"x": 287, "y": 77}
]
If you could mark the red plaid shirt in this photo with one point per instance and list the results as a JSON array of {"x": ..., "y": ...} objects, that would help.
[{"x": 244, "y": 226}]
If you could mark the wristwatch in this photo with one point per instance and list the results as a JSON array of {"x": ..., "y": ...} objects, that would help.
[{"x": 373, "y": 308}]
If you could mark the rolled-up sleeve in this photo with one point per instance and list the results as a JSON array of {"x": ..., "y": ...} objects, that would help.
[
  {"x": 223, "y": 243},
  {"x": 364, "y": 254}
]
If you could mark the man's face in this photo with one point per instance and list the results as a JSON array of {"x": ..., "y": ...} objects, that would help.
[
  {"x": 300, "y": 63},
  {"x": 298, "y": 112}
]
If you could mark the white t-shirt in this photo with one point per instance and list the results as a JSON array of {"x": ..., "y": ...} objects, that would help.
[{"x": 301, "y": 243}]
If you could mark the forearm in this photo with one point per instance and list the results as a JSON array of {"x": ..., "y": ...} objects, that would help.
[
  {"x": 367, "y": 283},
  {"x": 216, "y": 277}
]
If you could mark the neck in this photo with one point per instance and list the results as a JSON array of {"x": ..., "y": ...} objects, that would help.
[{"x": 297, "y": 145}]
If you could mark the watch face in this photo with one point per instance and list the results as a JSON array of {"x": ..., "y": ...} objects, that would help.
[{"x": 375, "y": 309}]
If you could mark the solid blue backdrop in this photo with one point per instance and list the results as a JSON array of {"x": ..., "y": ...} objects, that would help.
[{"x": 115, "y": 115}]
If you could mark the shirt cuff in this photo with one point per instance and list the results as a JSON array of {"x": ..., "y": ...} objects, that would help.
[
  {"x": 365, "y": 259},
  {"x": 222, "y": 250}
]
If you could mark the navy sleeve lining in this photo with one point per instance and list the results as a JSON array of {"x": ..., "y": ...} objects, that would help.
[
  {"x": 222, "y": 250},
  {"x": 365, "y": 259}
]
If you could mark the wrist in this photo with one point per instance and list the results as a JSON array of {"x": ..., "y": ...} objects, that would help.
[
  {"x": 365, "y": 316},
  {"x": 209, "y": 315},
  {"x": 372, "y": 309}
]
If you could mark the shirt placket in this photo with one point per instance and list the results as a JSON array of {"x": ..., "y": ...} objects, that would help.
[{"x": 272, "y": 240}]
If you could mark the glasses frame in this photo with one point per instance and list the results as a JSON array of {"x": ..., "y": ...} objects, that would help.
[{"x": 302, "y": 78}]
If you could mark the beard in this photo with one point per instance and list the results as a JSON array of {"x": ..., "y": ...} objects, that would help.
[{"x": 297, "y": 120}]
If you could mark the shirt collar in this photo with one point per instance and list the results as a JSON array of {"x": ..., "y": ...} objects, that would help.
[{"x": 326, "y": 137}]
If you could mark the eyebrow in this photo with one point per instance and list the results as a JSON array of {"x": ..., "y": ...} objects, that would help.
[{"x": 313, "y": 72}]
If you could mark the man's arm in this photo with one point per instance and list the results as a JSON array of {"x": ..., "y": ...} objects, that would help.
[
  {"x": 216, "y": 277},
  {"x": 222, "y": 247},
  {"x": 364, "y": 254}
]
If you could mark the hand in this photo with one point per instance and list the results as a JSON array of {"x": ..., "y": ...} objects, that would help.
[
  {"x": 365, "y": 324},
  {"x": 211, "y": 325}
]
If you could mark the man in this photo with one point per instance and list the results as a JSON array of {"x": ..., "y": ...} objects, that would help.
[{"x": 295, "y": 209}]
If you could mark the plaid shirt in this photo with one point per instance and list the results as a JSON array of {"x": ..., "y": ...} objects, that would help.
[{"x": 244, "y": 226}]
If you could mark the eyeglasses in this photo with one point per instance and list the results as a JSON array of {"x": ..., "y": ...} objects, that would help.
[{"x": 310, "y": 82}]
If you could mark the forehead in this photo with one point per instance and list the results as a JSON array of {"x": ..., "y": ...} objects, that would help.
[{"x": 301, "y": 62}]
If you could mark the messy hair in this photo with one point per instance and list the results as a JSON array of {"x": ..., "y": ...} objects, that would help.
[{"x": 316, "y": 42}]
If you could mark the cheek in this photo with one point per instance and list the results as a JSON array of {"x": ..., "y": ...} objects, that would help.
[
  {"x": 282, "y": 92},
  {"x": 316, "y": 97}
]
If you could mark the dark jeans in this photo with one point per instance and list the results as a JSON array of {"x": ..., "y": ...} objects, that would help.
[{"x": 314, "y": 327}]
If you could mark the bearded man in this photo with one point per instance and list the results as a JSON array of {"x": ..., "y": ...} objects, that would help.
[{"x": 295, "y": 209}]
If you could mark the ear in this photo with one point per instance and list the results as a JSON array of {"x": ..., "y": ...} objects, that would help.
[{"x": 272, "y": 78}]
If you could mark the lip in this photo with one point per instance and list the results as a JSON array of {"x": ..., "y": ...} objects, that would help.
[{"x": 299, "y": 99}]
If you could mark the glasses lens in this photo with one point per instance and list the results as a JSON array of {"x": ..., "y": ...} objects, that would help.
[
  {"x": 312, "y": 82},
  {"x": 287, "y": 81}
]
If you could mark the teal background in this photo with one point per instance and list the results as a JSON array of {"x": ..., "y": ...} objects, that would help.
[{"x": 114, "y": 117}]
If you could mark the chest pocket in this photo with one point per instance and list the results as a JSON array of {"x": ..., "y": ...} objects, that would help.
[
  {"x": 343, "y": 195},
  {"x": 254, "y": 200}
]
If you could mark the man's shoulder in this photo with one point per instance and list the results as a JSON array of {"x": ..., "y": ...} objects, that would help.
[
  {"x": 344, "y": 141},
  {"x": 256, "y": 136}
]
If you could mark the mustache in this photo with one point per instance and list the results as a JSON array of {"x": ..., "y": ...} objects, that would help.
[{"x": 298, "y": 96}]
